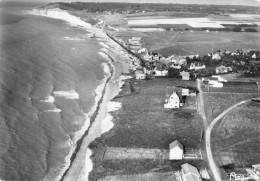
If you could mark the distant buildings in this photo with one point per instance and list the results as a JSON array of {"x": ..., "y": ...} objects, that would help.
[
  {"x": 176, "y": 150},
  {"x": 190, "y": 173}
]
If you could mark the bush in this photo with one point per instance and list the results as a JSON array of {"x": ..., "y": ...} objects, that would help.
[{"x": 250, "y": 30}]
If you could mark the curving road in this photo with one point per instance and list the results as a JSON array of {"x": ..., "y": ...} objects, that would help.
[
  {"x": 211, "y": 161},
  {"x": 209, "y": 128}
]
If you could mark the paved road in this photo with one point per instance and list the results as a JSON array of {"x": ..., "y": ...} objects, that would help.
[{"x": 209, "y": 128}]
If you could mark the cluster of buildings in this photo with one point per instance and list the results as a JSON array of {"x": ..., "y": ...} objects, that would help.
[
  {"x": 188, "y": 172},
  {"x": 158, "y": 65},
  {"x": 177, "y": 98}
]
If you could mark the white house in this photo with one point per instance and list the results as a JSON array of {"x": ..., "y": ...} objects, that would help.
[
  {"x": 190, "y": 173},
  {"x": 140, "y": 75},
  {"x": 185, "y": 75},
  {"x": 185, "y": 92},
  {"x": 176, "y": 66},
  {"x": 142, "y": 50},
  {"x": 216, "y": 56},
  {"x": 176, "y": 150},
  {"x": 256, "y": 169},
  {"x": 220, "y": 79},
  {"x": 213, "y": 82},
  {"x": 173, "y": 101},
  {"x": 254, "y": 56},
  {"x": 161, "y": 73},
  {"x": 196, "y": 67},
  {"x": 182, "y": 61}
]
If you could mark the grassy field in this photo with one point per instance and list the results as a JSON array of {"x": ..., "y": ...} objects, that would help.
[
  {"x": 236, "y": 138},
  {"x": 142, "y": 122},
  {"x": 216, "y": 103},
  {"x": 245, "y": 87}
]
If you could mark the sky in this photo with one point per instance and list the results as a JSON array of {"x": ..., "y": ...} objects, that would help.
[{"x": 224, "y": 2}]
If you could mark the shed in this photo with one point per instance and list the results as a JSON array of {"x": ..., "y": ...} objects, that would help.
[
  {"x": 176, "y": 150},
  {"x": 185, "y": 75},
  {"x": 256, "y": 169},
  {"x": 173, "y": 101},
  {"x": 139, "y": 74},
  {"x": 190, "y": 173},
  {"x": 185, "y": 92}
]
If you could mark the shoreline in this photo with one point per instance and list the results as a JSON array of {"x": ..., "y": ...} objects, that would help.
[{"x": 98, "y": 120}]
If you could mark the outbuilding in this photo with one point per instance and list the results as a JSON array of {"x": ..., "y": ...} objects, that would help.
[
  {"x": 190, "y": 173},
  {"x": 176, "y": 150},
  {"x": 139, "y": 74},
  {"x": 185, "y": 75}
]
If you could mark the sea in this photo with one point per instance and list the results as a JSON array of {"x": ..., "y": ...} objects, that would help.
[{"x": 49, "y": 71}]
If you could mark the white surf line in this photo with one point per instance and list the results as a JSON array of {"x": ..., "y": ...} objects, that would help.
[
  {"x": 49, "y": 99},
  {"x": 63, "y": 15},
  {"x": 72, "y": 94}
]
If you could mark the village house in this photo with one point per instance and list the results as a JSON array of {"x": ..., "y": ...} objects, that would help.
[
  {"x": 182, "y": 61},
  {"x": 139, "y": 74},
  {"x": 213, "y": 82},
  {"x": 223, "y": 69},
  {"x": 173, "y": 101},
  {"x": 256, "y": 169},
  {"x": 185, "y": 75},
  {"x": 156, "y": 57},
  {"x": 190, "y": 173},
  {"x": 185, "y": 92},
  {"x": 216, "y": 56},
  {"x": 254, "y": 56},
  {"x": 161, "y": 72},
  {"x": 176, "y": 66},
  {"x": 220, "y": 79},
  {"x": 142, "y": 50},
  {"x": 194, "y": 66},
  {"x": 176, "y": 151},
  {"x": 148, "y": 57}
]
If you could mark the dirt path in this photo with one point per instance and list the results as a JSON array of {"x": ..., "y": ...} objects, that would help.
[
  {"x": 209, "y": 128},
  {"x": 211, "y": 161}
]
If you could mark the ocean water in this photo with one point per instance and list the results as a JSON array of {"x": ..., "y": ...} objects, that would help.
[{"x": 49, "y": 71}]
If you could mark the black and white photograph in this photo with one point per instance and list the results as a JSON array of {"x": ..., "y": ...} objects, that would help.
[{"x": 129, "y": 90}]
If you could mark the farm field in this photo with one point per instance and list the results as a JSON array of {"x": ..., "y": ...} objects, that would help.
[
  {"x": 190, "y": 43},
  {"x": 142, "y": 122},
  {"x": 237, "y": 138}
]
